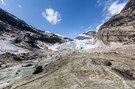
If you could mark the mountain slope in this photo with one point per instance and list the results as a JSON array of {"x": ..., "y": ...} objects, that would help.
[
  {"x": 86, "y": 35},
  {"x": 19, "y": 34},
  {"x": 120, "y": 28}
]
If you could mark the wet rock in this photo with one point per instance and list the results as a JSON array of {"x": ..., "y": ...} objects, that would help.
[
  {"x": 18, "y": 71},
  {"x": 108, "y": 63},
  {"x": 38, "y": 69},
  {"x": 28, "y": 65},
  {"x": 126, "y": 74},
  {"x": 0, "y": 64}
]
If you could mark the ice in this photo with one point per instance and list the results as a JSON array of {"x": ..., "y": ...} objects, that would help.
[{"x": 76, "y": 44}]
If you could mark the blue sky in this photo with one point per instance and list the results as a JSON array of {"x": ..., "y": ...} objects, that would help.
[{"x": 65, "y": 17}]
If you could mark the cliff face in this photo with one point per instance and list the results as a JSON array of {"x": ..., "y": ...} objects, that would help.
[{"x": 121, "y": 27}]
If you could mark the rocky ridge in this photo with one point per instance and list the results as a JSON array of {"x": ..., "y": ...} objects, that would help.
[{"x": 120, "y": 28}]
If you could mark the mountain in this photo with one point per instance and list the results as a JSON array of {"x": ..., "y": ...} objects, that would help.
[
  {"x": 106, "y": 67},
  {"x": 16, "y": 36},
  {"x": 120, "y": 28},
  {"x": 86, "y": 35}
]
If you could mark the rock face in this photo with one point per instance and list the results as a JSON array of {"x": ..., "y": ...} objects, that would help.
[
  {"x": 18, "y": 33},
  {"x": 86, "y": 35},
  {"x": 121, "y": 27}
]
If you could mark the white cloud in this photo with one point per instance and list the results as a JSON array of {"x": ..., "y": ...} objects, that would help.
[
  {"x": 88, "y": 28},
  {"x": 52, "y": 16},
  {"x": 99, "y": 2},
  {"x": 20, "y": 6},
  {"x": 2, "y": 1},
  {"x": 112, "y": 8}
]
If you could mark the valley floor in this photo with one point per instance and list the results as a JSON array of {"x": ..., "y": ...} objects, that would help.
[{"x": 99, "y": 68}]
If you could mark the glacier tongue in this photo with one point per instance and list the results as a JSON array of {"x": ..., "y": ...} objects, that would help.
[{"x": 73, "y": 45}]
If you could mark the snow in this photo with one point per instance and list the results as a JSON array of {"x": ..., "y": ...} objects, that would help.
[
  {"x": 76, "y": 44},
  {"x": 59, "y": 35},
  {"x": 7, "y": 46},
  {"x": 84, "y": 35}
]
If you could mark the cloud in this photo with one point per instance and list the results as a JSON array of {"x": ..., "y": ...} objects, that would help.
[
  {"x": 52, "y": 16},
  {"x": 99, "y": 3},
  {"x": 112, "y": 8},
  {"x": 2, "y": 1},
  {"x": 88, "y": 28},
  {"x": 20, "y": 6}
]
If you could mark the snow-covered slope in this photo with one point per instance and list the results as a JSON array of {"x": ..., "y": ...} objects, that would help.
[
  {"x": 6, "y": 46},
  {"x": 23, "y": 36},
  {"x": 75, "y": 44},
  {"x": 86, "y": 35}
]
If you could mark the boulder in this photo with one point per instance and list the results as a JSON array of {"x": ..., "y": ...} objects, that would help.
[{"x": 38, "y": 69}]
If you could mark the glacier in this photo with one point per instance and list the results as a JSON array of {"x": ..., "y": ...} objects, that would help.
[{"x": 74, "y": 45}]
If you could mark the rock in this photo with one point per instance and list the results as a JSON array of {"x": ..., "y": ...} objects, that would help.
[
  {"x": 18, "y": 71},
  {"x": 126, "y": 74},
  {"x": 9, "y": 58},
  {"x": 38, "y": 69},
  {"x": 108, "y": 63},
  {"x": 0, "y": 63},
  {"x": 86, "y": 35},
  {"x": 120, "y": 28},
  {"x": 28, "y": 65}
]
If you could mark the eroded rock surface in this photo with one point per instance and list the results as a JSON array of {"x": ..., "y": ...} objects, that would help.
[{"x": 83, "y": 70}]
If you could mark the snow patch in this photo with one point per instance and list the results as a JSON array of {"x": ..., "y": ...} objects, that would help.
[{"x": 6, "y": 46}]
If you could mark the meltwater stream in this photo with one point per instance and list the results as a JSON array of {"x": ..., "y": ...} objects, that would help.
[{"x": 19, "y": 70}]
